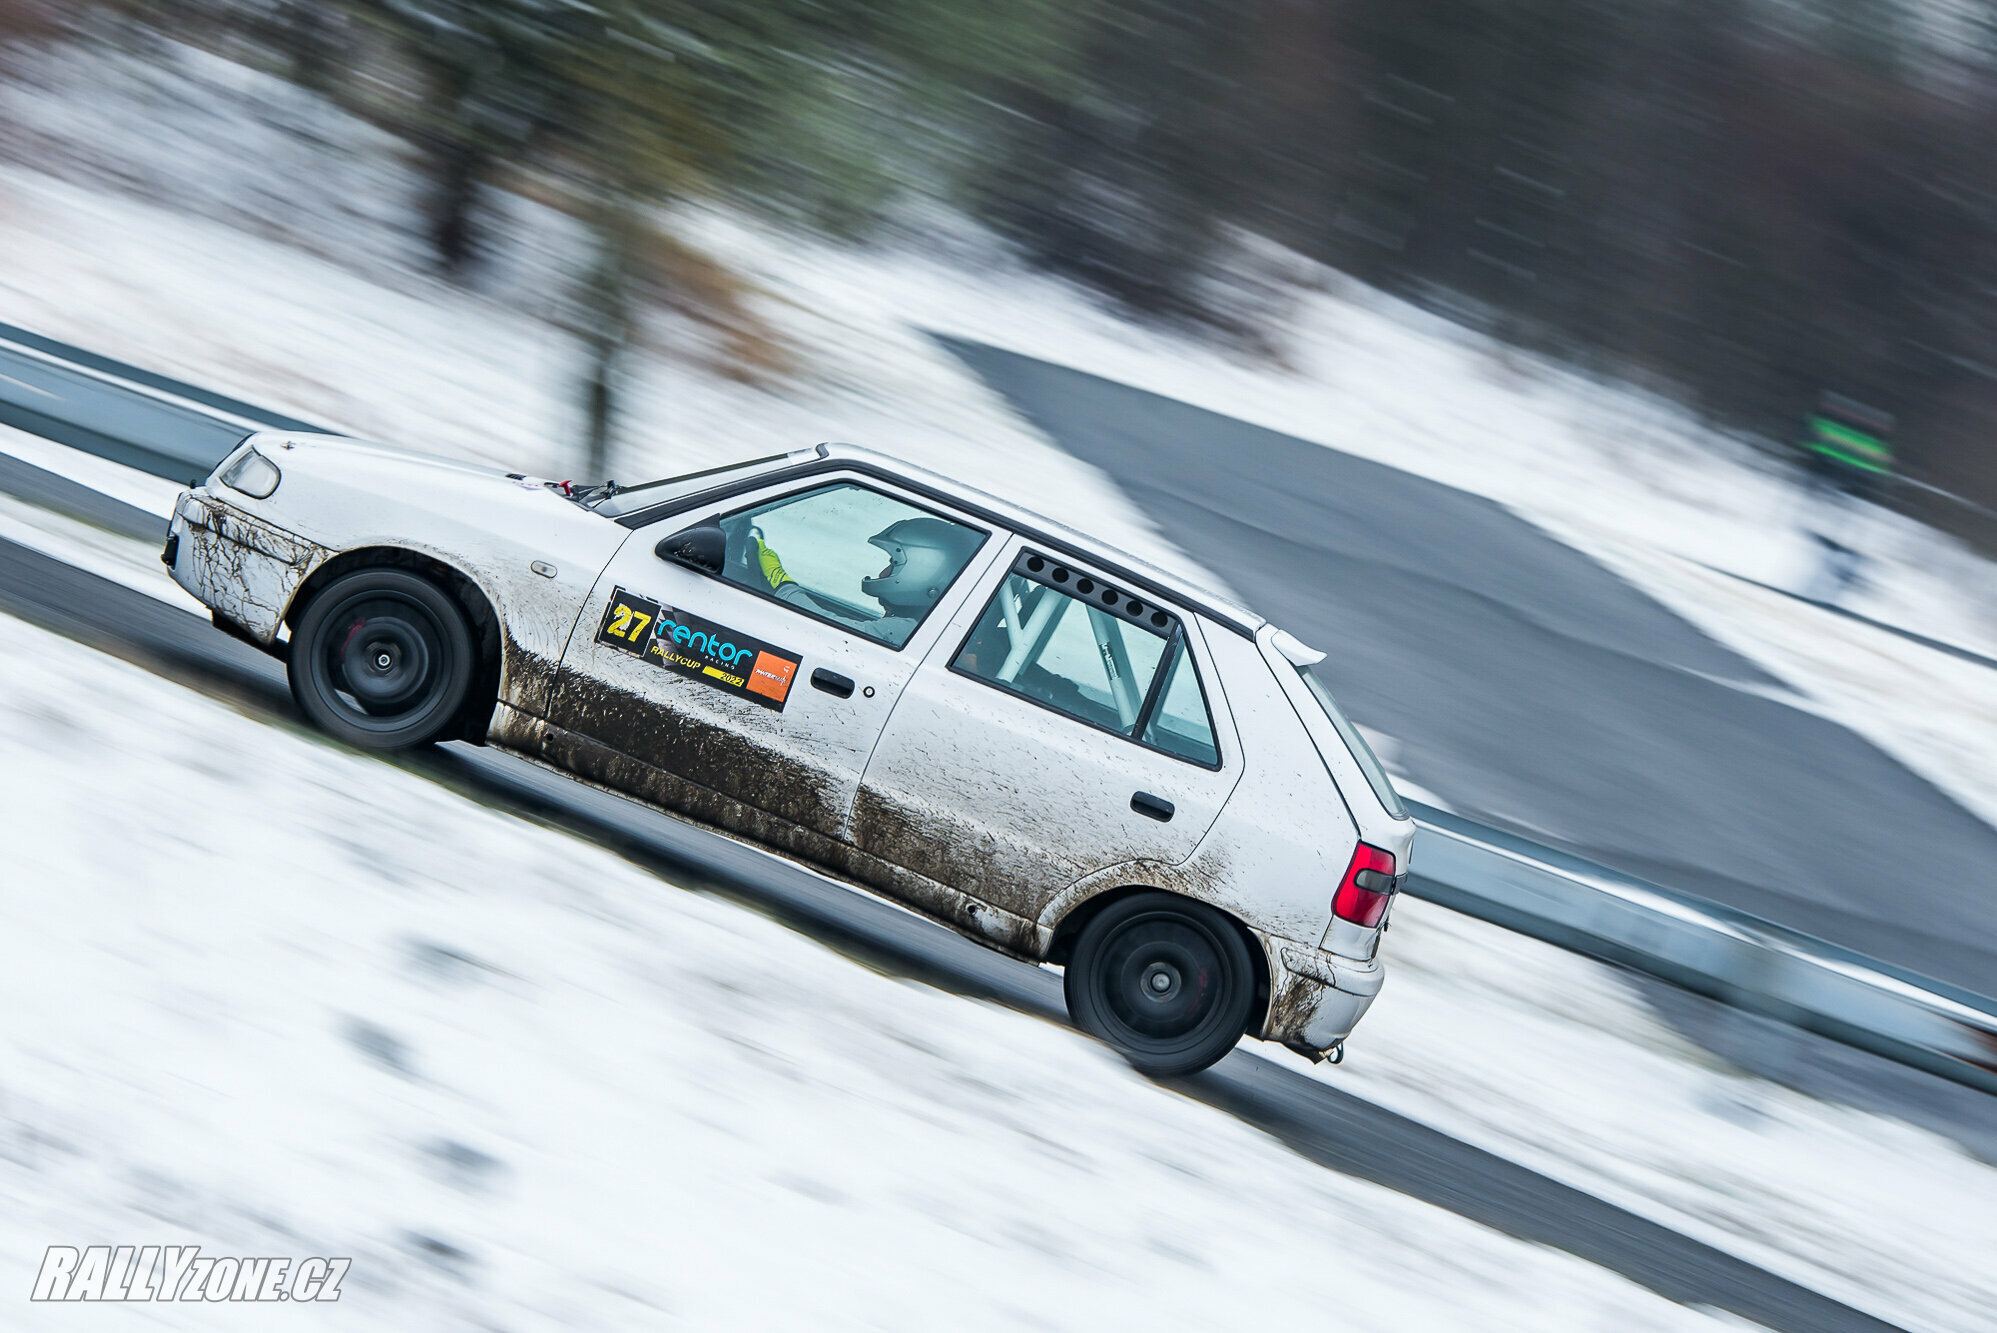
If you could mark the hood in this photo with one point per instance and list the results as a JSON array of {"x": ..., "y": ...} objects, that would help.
[
  {"x": 333, "y": 454},
  {"x": 343, "y": 493}
]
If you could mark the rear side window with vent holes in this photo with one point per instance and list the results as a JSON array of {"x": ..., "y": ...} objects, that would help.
[{"x": 1100, "y": 656}]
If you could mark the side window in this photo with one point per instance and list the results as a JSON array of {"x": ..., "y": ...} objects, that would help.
[
  {"x": 851, "y": 555},
  {"x": 1093, "y": 653},
  {"x": 1182, "y": 724}
]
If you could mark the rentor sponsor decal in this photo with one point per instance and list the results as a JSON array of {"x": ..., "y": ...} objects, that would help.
[{"x": 712, "y": 654}]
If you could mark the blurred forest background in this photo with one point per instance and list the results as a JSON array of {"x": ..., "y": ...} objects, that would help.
[{"x": 1738, "y": 203}]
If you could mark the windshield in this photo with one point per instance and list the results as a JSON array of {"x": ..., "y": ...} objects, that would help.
[
  {"x": 1362, "y": 753},
  {"x": 627, "y": 499}
]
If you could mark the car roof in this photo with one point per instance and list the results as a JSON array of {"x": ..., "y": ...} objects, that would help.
[{"x": 1200, "y": 596}]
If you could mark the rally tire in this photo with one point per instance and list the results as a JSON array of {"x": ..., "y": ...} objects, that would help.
[
  {"x": 1168, "y": 982},
  {"x": 383, "y": 659}
]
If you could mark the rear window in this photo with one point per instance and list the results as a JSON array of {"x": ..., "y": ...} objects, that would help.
[
  {"x": 1182, "y": 725},
  {"x": 1362, "y": 753}
]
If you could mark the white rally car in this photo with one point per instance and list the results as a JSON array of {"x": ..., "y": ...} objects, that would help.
[{"x": 1047, "y": 745}]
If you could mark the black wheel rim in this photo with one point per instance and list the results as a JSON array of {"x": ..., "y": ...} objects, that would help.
[
  {"x": 383, "y": 660},
  {"x": 1161, "y": 981}
]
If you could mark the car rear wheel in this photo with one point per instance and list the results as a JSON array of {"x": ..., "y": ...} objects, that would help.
[
  {"x": 1168, "y": 982},
  {"x": 383, "y": 659}
]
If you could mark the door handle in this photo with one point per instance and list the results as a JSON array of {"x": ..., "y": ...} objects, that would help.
[
  {"x": 832, "y": 683},
  {"x": 1156, "y": 807}
]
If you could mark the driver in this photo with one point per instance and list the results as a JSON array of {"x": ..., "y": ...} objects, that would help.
[{"x": 924, "y": 554}]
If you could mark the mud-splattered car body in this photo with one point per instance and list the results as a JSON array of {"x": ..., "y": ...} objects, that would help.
[{"x": 1058, "y": 724}]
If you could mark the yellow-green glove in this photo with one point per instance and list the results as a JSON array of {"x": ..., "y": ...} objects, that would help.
[{"x": 772, "y": 566}]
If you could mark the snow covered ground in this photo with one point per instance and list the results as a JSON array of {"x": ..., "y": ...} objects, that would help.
[
  {"x": 1521, "y": 1048},
  {"x": 307, "y": 1003},
  {"x": 1556, "y": 1063},
  {"x": 1518, "y": 1047}
]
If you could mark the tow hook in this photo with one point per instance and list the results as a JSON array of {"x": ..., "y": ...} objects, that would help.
[{"x": 1336, "y": 1055}]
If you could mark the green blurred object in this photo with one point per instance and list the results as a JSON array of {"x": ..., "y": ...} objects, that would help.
[
  {"x": 1846, "y": 441},
  {"x": 1840, "y": 443},
  {"x": 1846, "y": 445}
]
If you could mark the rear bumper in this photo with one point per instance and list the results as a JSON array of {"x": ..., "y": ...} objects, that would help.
[
  {"x": 243, "y": 569},
  {"x": 1316, "y": 998}
]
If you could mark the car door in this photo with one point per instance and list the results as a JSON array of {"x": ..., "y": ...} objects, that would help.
[
  {"x": 1062, "y": 725},
  {"x": 766, "y": 678}
]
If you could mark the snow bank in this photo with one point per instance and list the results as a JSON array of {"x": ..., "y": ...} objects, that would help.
[{"x": 306, "y": 1003}]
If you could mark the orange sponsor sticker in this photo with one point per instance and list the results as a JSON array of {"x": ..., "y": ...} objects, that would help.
[{"x": 771, "y": 675}]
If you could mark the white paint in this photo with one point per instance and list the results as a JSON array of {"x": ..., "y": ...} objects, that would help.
[{"x": 346, "y": 495}]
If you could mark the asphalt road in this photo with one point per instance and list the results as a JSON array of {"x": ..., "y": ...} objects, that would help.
[
  {"x": 1532, "y": 689},
  {"x": 1321, "y": 1123}
]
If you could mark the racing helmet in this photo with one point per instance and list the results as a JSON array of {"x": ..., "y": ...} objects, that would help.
[{"x": 924, "y": 554}]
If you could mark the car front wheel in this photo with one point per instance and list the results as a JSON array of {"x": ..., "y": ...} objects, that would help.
[
  {"x": 1168, "y": 982},
  {"x": 382, "y": 659}
]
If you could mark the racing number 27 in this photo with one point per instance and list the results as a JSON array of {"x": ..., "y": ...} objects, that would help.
[
  {"x": 629, "y": 620},
  {"x": 627, "y": 624}
]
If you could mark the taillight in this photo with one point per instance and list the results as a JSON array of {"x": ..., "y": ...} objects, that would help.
[{"x": 1368, "y": 884}]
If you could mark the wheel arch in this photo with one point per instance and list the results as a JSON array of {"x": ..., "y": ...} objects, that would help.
[
  {"x": 461, "y": 587},
  {"x": 1069, "y": 928}
]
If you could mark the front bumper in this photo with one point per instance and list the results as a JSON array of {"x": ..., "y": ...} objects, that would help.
[
  {"x": 240, "y": 567},
  {"x": 1316, "y": 998}
]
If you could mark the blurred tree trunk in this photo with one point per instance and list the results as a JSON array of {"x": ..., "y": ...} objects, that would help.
[
  {"x": 308, "y": 34},
  {"x": 608, "y": 318},
  {"x": 458, "y": 166}
]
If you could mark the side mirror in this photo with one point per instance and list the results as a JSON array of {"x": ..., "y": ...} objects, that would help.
[{"x": 703, "y": 546}]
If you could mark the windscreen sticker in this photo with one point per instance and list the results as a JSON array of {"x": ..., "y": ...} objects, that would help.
[{"x": 701, "y": 649}]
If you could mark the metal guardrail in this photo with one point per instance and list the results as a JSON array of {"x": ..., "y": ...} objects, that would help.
[
  {"x": 177, "y": 430},
  {"x": 129, "y": 415},
  {"x": 1929, "y": 488},
  {"x": 1705, "y": 948}
]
